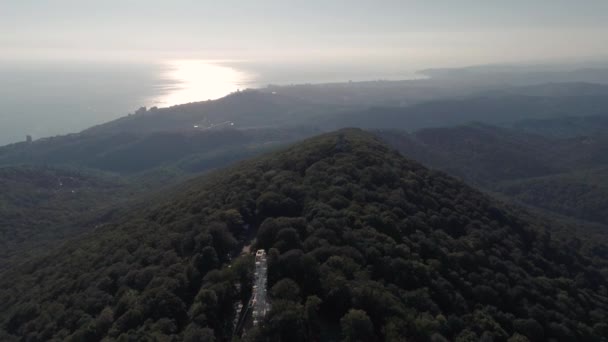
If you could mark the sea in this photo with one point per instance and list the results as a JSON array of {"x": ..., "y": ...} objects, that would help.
[{"x": 48, "y": 98}]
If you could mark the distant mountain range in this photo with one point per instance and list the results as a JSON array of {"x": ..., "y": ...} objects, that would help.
[{"x": 295, "y": 106}]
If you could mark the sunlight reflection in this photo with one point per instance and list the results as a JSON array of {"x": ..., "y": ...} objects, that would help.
[{"x": 199, "y": 80}]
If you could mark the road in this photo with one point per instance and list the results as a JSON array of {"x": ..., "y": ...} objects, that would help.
[{"x": 260, "y": 300}]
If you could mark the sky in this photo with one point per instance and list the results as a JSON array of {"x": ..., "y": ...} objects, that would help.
[{"x": 425, "y": 33}]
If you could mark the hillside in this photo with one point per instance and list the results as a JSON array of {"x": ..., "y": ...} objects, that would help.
[
  {"x": 567, "y": 127},
  {"x": 479, "y": 153},
  {"x": 564, "y": 175},
  {"x": 369, "y": 93},
  {"x": 409, "y": 92},
  {"x": 40, "y": 205},
  {"x": 246, "y": 109},
  {"x": 362, "y": 244},
  {"x": 559, "y": 89},
  {"x": 494, "y": 110},
  {"x": 408, "y": 105},
  {"x": 131, "y": 153},
  {"x": 57, "y": 188},
  {"x": 581, "y": 194},
  {"x": 522, "y": 75}
]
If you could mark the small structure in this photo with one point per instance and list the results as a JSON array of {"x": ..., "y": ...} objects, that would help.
[{"x": 28, "y": 139}]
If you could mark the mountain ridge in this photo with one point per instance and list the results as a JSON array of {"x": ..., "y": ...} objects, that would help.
[{"x": 348, "y": 223}]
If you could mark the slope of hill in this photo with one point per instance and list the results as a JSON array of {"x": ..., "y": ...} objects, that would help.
[
  {"x": 524, "y": 75},
  {"x": 406, "y": 105},
  {"x": 567, "y": 127},
  {"x": 478, "y": 153},
  {"x": 563, "y": 89},
  {"x": 496, "y": 110},
  {"x": 409, "y": 92},
  {"x": 129, "y": 153},
  {"x": 581, "y": 194},
  {"x": 361, "y": 242},
  {"x": 104, "y": 171},
  {"x": 565, "y": 175},
  {"x": 370, "y": 93},
  {"x": 246, "y": 109},
  {"x": 39, "y": 205}
]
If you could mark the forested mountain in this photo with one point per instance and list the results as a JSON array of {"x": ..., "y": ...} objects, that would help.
[
  {"x": 565, "y": 175},
  {"x": 40, "y": 205},
  {"x": 520, "y": 75},
  {"x": 408, "y": 105},
  {"x": 563, "y": 89},
  {"x": 371, "y": 93},
  {"x": 57, "y": 188},
  {"x": 490, "y": 109},
  {"x": 541, "y": 171},
  {"x": 409, "y": 92},
  {"x": 130, "y": 152},
  {"x": 479, "y": 153},
  {"x": 245, "y": 109},
  {"x": 340, "y": 207},
  {"x": 362, "y": 243},
  {"x": 582, "y": 194},
  {"x": 567, "y": 127}
]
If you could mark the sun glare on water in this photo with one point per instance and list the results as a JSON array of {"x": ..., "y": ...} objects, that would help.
[{"x": 199, "y": 80}]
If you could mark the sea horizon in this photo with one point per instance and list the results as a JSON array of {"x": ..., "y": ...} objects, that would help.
[{"x": 43, "y": 99}]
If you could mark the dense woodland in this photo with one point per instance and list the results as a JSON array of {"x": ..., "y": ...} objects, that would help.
[
  {"x": 580, "y": 194},
  {"x": 495, "y": 110},
  {"x": 40, "y": 205},
  {"x": 565, "y": 175},
  {"x": 363, "y": 245},
  {"x": 57, "y": 188},
  {"x": 101, "y": 237},
  {"x": 129, "y": 153}
]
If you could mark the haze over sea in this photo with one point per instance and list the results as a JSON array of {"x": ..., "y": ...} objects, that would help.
[{"x": 50, "y": 98}]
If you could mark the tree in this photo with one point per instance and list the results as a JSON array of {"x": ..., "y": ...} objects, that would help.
[
  {"x": 311, "y": 316},
  {"x": 104, "y": 320},
  {"x": 356, "y": 326},
  {"x": 287, "y": 238},
  {"x": 206, "y": 260},
  {"x": 529, "y": 328},
  {"x": 129, "y": 320},
  {"x": 233, "y": 219},
  {"x": 285, "y": 322},
  {"x": 195, "y": 333},
  {"x": 286, "y": 289},
  {"x": 269, "y": 204},
  {"x": 518, "y": 338}
]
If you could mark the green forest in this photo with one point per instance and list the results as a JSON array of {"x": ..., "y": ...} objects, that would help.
[
  {"x": 44, "y": 204},
  {"x": 363, "y": 245},
  {"x": 562, "y": 175},
  {"x": 310, "y": 171}
]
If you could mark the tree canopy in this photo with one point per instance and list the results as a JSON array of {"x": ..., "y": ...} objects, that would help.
[{"x": 362, "y": 244}]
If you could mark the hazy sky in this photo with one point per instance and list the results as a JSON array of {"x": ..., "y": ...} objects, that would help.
[{"x": 437, "y": 33}]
